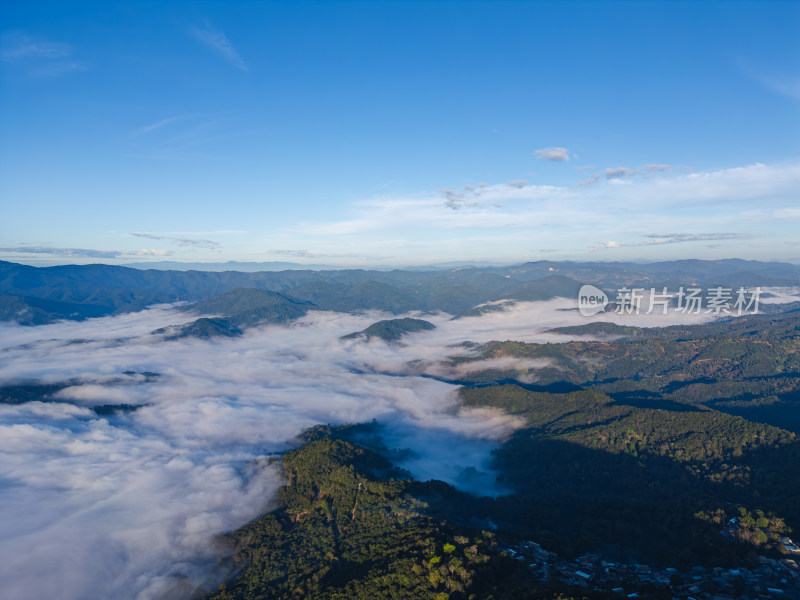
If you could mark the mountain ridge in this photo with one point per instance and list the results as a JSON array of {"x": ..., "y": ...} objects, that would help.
[{"x": 117, "y": 289}]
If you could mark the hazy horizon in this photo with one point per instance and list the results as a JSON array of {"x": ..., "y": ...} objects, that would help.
[{"x": 252, "y": 266}]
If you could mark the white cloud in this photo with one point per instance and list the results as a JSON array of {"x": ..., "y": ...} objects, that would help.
[
  {"x": 453, "y": 199},
  {"x": 750, "y": 182},
  {"x": 787, "y": 213},
  {"x": 147, "y": 252},
  {"x": 658, "y": 192},
  {"x": 493, "y": 221},
  {"x": 593, "y": 179},
  {"x": 618, "y": 172},
  {"x": 553, "y": 153}
]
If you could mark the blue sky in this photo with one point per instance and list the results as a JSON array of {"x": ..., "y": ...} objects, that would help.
[{"x": 398, "y": 133}]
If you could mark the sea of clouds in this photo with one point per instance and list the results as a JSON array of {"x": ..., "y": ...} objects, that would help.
[{"x": 129, "y": 505}]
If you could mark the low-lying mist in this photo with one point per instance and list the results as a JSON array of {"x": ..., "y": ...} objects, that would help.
[{"x": 128, "y": 504}]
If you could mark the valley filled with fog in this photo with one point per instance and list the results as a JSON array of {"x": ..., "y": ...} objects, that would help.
[{"x": 128, "y": 502}]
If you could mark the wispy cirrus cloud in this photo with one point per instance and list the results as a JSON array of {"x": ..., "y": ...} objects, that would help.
[
  {"x": 158, "y": 125},
  {"x": 42, "y": 58},
  {"x": 782, "y": 83},
  {"x": 219, "y": 42},
  {"x": 183, "y": 137},
  {"x": 179, "y": 241},
  {"x": 24, "y": 47}
]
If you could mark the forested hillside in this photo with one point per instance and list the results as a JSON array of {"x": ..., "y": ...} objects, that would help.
[
  {"x": 349, "y": 527},
  {"x": 747, "y": 366}
]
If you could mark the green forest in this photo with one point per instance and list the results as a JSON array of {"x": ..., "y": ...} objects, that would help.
[
  {"x": 350, "y": 526},
  {"x": 748, "y": 366}
]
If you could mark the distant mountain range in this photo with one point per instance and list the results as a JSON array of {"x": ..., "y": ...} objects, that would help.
[
  {"x": 36, "y": 295},
  {"x": 251, "y": 267},
  {"x": 231, "y": 265}
]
